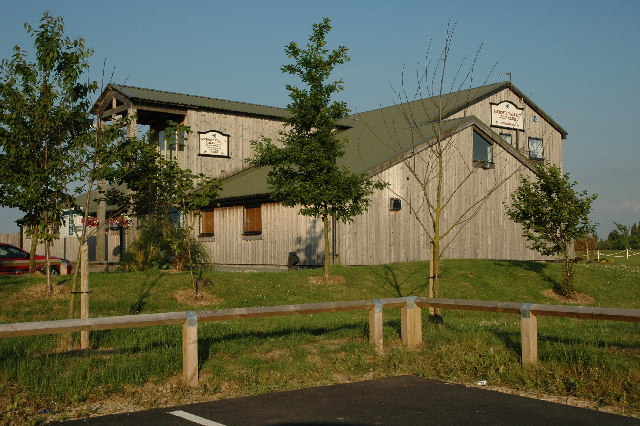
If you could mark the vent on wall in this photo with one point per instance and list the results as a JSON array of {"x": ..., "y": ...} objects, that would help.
[{"x": 395, "y": 204}]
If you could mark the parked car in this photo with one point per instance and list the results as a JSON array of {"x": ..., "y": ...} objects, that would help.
[{"x": 14, "y": 260}]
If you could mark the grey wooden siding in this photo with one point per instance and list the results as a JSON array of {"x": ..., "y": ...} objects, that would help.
[
  {"x": 13, "y": 239},
  {"x": 552, "y": 139},
  {"x": 242, "y": 130},
  {"x": 382, "y": 236},
  {"x": 69, "y": 247},
  {"x": 283, "y": 231}
]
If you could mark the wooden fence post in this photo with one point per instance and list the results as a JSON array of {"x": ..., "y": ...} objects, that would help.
[
  {"x": 84, "y": 293},
  {"x": 529, "y": 334},
  {"x": 190, "y": 349},
  {"x": 375, "y": 326},
  {"x": 411, "y": 323}
]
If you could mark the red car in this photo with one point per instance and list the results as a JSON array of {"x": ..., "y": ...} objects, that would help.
[{"x": 14, "y": 260}]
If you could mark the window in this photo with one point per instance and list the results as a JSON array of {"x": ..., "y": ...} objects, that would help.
[
  {"x": 536, "y": 149},
  {"x": 207, "y": 227},
  {"x": 253, "y": 220},
  {"x": 507, "y": 138},
  {"x": 482, "y": 150},
  {"x": 395, "y": 204}
]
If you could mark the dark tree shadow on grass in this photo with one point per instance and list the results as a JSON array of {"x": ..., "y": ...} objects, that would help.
[
  {"x": 143, "y": 295},
  {"x": 390, "y": 278},
  {"x": 207, "y": 344},
  {"x": 539, "y": 268}
]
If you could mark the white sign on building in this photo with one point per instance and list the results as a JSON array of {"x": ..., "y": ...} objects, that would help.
[
  {"x": 214, "y": 144},
  {"x": 72, "y": 224},
  {"x": 507, "y": 115}
]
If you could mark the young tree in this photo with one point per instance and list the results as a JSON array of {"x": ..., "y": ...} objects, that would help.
[
  {"x": 44, "y": 116},
  {"x": 553, "y": 216},
  {"x": 424, "y": 116},
  {"x": 156, "y": 187},
  {"x": 304, "y": 171}
]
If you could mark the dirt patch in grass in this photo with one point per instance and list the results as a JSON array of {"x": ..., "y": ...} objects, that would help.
[
  {"x": 334, "y": 279},
  {"x": 188, "y": 296},
  {"x": 39, "y": 291},
  {"x": 276, "y": 354},
  {"x": 579, "y": 298}
]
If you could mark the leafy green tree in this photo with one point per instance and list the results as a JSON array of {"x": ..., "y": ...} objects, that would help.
[
  {"x": 622, "y": 237},
  {"x": 304, "y": 171},
  {"x": 158, "y": 189},
  {"x": 618, "y": 238},
  {"x": 44, "y": 117},
  {"x": 634, "y": 236},
  {"x": 553, "y": 216}
]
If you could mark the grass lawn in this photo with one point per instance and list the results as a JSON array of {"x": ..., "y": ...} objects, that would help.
[
  {"x": 595, "y": 362},
  {"x": 619, "y": 257}
]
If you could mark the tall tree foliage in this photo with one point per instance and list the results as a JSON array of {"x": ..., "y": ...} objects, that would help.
[
  {"x": 304, "y": 171},
  {"x": 157, "y": 188},
  {"x": 44, "y": 117},
  {"x": 622, "y": 237},
  {"x": 553, "y": 215}
]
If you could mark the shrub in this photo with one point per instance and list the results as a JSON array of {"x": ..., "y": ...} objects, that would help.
[{"x": 163, "y": 245}]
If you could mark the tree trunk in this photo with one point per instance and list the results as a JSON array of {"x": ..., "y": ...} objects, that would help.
[
  {"x": 32, "y": 250},
  {"x": 47, "y": 254},
  {"x": 327, "y": 249},
  {"x": 565, "y": 288},
  {"x": 434, "y": 291}
]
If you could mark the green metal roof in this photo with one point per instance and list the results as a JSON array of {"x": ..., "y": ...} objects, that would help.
[
  {"x": 159, "y": 97},
  {"x": 380, "y": 138},
  {"x": 376, "y": 138},
  {"x": 368, "y": 150}
]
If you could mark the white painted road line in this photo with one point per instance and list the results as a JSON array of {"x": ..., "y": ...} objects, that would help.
[{"x": 195, "y": 419}]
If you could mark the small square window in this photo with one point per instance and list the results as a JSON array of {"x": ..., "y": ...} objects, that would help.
[
  {"x": 536, "y": 149},
  {"x": 507, "y": 138},
  {"x": 395, "y": 204},
  {"x": 482, "y": 150}
]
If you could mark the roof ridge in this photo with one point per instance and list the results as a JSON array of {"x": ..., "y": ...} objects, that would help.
[
  {"x": 498, "y": 84},
  {"x": 194, "y": 96}
]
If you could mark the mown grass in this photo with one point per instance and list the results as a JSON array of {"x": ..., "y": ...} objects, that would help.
[
  {"x": 598, "y": 361},
  {"x": 617, "y": 257}
]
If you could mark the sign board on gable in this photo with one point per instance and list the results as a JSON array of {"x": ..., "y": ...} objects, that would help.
[
  {"x": 506, "y": 114},
  {"x": 213, "y": 144}
]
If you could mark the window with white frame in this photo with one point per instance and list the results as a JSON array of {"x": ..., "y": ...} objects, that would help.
[
  {"x": 536, "y": 149},
  {"x": 507, "y": 138}
]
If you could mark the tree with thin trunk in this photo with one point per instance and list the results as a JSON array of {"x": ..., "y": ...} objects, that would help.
[
  {"x": 44, "y": 117},
  {"x": 157, "y": 187},
  {"x": 304, "y": 171},
  {"x": 553, "y": 216},
  {"x": 435, "y": 201}
]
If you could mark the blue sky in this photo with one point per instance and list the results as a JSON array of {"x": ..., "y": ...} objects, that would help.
[{"x": 578, "y": 60}]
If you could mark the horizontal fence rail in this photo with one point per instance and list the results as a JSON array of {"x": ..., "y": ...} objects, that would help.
[{"x": 411, "y": 321}]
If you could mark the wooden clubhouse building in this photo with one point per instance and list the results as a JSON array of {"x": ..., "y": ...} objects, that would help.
[{"x": 494, "y": 134}]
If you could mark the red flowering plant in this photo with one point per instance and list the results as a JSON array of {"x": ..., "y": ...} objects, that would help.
[
  {"x": 91, "y": 221},
  {"x": 122, "y": 221}
]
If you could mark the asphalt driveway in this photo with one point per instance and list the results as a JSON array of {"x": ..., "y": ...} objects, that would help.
[{"x": 401, "y": 400}]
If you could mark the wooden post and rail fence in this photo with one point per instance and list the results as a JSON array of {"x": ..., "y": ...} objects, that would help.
[{"x": 411, "y": 321}]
